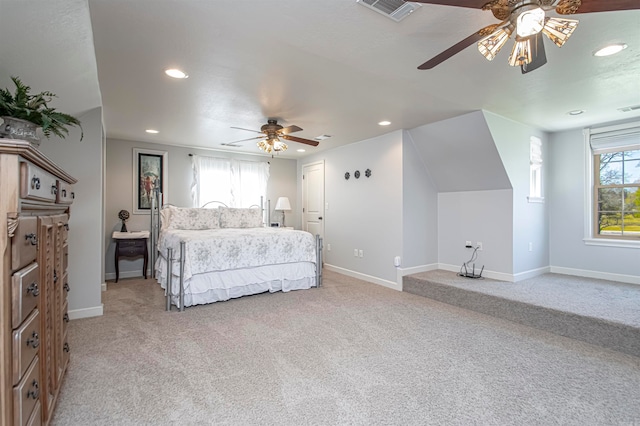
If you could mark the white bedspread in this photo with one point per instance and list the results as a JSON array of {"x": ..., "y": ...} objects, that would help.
[{"x": 236, "y": 248}]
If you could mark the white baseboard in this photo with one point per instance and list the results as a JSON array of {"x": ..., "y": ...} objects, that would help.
[
  {"x": 401, "y": 272},
  {"x": 629, "y": 279},
  {"x": 126, "y": 274},
  {"x": 531, "y": 273},
  {"x": 96, "y": 311},
  {"x": 363, "y": 277}
]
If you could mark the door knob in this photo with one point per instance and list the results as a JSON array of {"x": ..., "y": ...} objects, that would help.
[{"x": 320, "y": 218}]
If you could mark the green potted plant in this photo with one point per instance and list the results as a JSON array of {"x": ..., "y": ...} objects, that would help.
[{"x": 23, "y": 113}]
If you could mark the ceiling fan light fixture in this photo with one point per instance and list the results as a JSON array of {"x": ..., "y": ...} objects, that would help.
[
  {"x": 521, "y": 53},
  {"x": 530, "y": 22},
  {"x": 491, "y": 45},
  {"x": 272, "y": 145},
  {"x": 559, "y": 29}
]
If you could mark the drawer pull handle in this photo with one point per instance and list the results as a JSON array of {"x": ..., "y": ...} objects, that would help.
[
  {"x": 64, "y": 193},
  {"x": 73, "y": 195},
  {"x": 33, "y": 238},
  {"x": 33, "y": 288},
  {"x": 66, "y": 347},
  {"x": 54, "y": 189},
  {"x": 34, "y": 392},
  {"x": 55, "y": 276},
  {"x": 65, "y": 317},
  {"x": 66, "y": 226},
  {"x": 35, "y": 183},
  {"x": 66, "y": 287},
  {"x": 34, "y": 340}
]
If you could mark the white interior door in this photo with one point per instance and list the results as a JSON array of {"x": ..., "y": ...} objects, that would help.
[{"x": 313, "y": 198}]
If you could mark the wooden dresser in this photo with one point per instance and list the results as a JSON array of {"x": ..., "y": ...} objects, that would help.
[{"x": 35, "y": 198}]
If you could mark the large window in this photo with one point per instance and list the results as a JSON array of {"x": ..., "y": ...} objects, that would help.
[
  {"x": 616, "y": 189},
  {"x": 235, "y": 183}
]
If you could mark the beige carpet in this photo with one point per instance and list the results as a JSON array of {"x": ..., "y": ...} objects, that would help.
[{"x": 349, "y": 353}]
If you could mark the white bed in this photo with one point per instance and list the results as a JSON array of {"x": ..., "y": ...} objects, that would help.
[{"x": 228, "y": 257}]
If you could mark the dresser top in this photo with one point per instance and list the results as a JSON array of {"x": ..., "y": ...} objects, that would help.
[{"x": 28, "y": 152}]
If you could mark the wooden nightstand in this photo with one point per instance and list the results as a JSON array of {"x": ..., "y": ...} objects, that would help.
[{"x": 131, "y": 244}]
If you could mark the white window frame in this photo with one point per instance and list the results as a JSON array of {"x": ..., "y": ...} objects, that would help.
[{"x": 589, "y": 173}]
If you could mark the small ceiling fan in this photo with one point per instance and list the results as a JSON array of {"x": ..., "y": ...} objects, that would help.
[
  {"x": 272, "y": 133},
  {"x": 527, "y": 20}
]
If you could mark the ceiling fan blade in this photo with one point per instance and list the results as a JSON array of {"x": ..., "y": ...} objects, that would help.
[
  {"x": 475, "y": 4},
  {"x": 248, "y": 130},
  {"x": 300, "y": 140},
  {"x": 290, "y": 129},
  {"x": 589, "y": 6},
  {"x": 242, "y": 140},
  {"x": 538, "y": 54},
  {"x": 456, "y": 48}
]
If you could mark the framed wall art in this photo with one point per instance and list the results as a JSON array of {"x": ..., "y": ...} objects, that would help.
[{"x": 150, "y": 171}]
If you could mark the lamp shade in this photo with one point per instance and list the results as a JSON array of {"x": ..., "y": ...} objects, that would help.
[{"x": 283, "y": 204}]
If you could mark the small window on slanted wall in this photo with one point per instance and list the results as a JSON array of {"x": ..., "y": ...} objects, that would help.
[
  {"x": 535, "y": 170},
  {"x": 616, "y": 183}
]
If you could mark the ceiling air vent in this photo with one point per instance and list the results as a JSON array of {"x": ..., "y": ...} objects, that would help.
[
  {"x": 394, "y": 9},
  {"x": 629, "y": 108}
]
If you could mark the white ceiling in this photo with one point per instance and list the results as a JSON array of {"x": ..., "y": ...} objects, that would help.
[{"x": 329, "y": 66}]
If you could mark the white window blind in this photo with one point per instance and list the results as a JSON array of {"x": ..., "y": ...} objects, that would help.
[{"x": 625, "y": 139}]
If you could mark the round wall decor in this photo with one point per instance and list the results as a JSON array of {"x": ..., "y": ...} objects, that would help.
[
  {"x": 356, "y": 174},
  {"x": 367, "y": 173},
  {"x": 346, "y": 176}
]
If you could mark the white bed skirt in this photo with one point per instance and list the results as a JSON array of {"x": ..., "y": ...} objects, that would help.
[{"x": 224, "y": 285}]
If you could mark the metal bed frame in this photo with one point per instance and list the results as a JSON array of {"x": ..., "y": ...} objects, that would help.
[{"x": 154, "y": 234}]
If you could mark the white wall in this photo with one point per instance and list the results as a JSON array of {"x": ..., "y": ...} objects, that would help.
[
  {"x": 84, "y": 161},
  {"x": 568, "y": 251},
  {"x": 363, "y": 213},
  {"x": 119, "y": 190},
  {"x": 476, "y": 216},
  {"x": 419, "y": 209},
  {"x": 530, "y": 220}
]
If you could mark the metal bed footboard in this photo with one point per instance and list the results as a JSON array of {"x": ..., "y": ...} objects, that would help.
[{"x": 181, "y": 259}]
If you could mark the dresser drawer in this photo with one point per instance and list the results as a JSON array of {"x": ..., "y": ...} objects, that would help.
[
  {"x": 24, "y": 242},
  {"x": 25, "y": 293},
  {"x": 26, "y": 341},
  {"x": 26, "y": 394},
  {"x": 36, "y": 184},
  {"x": 65, "y": 194}
]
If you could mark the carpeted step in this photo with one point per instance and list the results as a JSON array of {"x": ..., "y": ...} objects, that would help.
[{"x": 567, "y": 306}]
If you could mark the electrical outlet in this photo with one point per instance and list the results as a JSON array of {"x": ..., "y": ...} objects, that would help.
[
  {"x": 328, "y": 247},
  {"x": 467, "y": 244},
  {"x": 530, "y": 246},
  {"x": 360, "y": 253},
  {"x": 479, "y": 245},
  {"x": 355, "y": 252}
]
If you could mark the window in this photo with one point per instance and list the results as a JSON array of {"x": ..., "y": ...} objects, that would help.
[
  {"x": 616, "y": 183},
  {"x": 535, "y": 170},
  {"x": 235, "y": 183}
]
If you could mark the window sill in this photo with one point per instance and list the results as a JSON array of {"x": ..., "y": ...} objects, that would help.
[
  {"x": 604, "y": 242},
  {"x": 535, "y": 199}
]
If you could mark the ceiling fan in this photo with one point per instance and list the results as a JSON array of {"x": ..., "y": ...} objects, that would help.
[
  {"x": 527, "y": 20},
  {"x": 272, "y": 133}
]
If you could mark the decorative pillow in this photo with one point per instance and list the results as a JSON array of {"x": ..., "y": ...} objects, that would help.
[
  {"x": 194, "y": 218},
  {"x": 231, "y": 217},
  {"x": 165, "y": 216}
]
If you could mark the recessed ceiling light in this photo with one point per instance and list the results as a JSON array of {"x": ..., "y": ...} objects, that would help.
[
  {"x": 384, "y": 123},
  {"x": 611, "y": 49},
  {"x": 175, "y": 73},
  {"x": 576, "y": 112},
  {"x": 152, "y": 131},
  {"x": 301, "y": 150}
]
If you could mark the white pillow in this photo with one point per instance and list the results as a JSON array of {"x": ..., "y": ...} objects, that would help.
[
  {"x": 194, "y": 218},
  {"x": 231, "y": 217}
]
